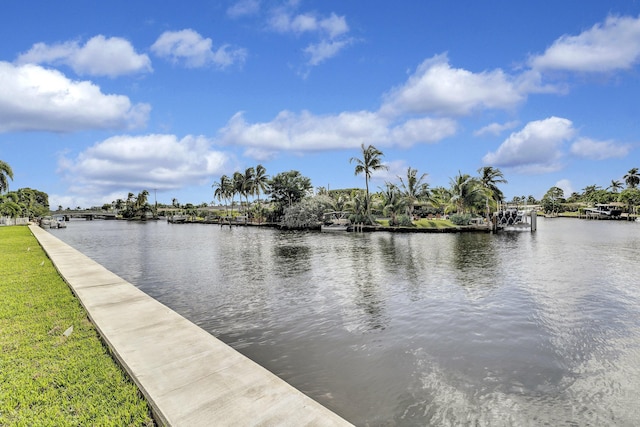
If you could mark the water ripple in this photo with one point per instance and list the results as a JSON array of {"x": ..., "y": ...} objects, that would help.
[{"x": 514, "y": 329}]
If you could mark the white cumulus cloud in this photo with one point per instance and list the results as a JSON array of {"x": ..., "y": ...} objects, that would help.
[
  {"x": 33, "y": 98},
  {"x": 534, "y": 149},
  {"x": 331, "y": 31},
  {"x": 566, "y": 186},
  {"x": 191, "y": 49},
  {"x": 156, "y": 161},
  {"x": 599, "y": 150},
  {"x": 100, "y": 56},
  {"x": 436, "y": 87},
  {"x": 325, "y": 49},
  {"x": 286, "y": 22},
  {"x": 306, "y": 132},
  {"x": 495, "y": 128},
  {"x": 612, "y": 45}
]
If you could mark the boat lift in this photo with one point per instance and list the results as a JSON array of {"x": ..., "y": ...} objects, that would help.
[{"x": 514, "y": 219}]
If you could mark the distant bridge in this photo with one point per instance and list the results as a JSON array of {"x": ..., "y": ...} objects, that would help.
[{"x": 88, "y": 214}]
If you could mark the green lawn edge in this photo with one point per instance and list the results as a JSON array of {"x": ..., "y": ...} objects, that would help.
[
  {"x": 49, "y": 377},
  {"x": 436, "y": 224}
]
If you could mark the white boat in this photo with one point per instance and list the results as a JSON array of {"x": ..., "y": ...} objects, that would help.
[
  {"x": 604, "y": 211},
  {"x": 48, "y": 222},
  {"x": 59, "y": 221},
  {"x": 335, "y": 221}
]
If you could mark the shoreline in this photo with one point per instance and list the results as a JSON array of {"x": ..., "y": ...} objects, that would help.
[{"x": 187, "y": 376}]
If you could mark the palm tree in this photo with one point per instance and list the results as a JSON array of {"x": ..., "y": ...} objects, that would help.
[
  {"x": 440, "y": 197},
  {"x": 393, "y": 203},
  {"x": 369, "y": 163},
  {"x": 128, "y": 207},
  {"x": 490, "y": 177},
  {"x": 413, "y": 189},
  {"x": 615, "y": 186},
  {"x": 223, "y": 191},
  {"x": 589, "y": 193},
  {"x": 359, "y": 206},
  {"x": 465, "y": 190},
  {"x": 339, "y": 201},
  {"x": 5, "y": 172},
  {"x": 237, "y": 188},
  {"x": 260, "y": 185},
  {"x": 632, "y": 178},
  {"x": 243, "y": 184},
  {"x": 248, "y": 184},
  {"x": 141, "y": 205},
  {"x": 260, "y": 181},
  {"x": 9, "y": 206}
]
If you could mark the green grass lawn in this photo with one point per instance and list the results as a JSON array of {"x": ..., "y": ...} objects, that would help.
[
  {"x": 424, "y": 223},
  {"x": 47, "y": 377},
  {"x": 433, "y": 223}
]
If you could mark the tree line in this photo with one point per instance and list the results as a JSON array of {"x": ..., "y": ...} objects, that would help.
[
  {"x": 25, "y": 202},
  {"x": 628, "y": 194},
  {"x": 293, "y": 203},
  {"x": 291, "y": 199}
]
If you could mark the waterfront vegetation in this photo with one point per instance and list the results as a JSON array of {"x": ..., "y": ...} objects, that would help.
[
  {"x": 292, "y": 202},
  {"x": 54, "y": 370},
  {"x": 408, "y": 202}
]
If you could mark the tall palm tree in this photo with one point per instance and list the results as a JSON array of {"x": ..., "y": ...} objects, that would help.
[
  {"x": 141, "y": 205},
  {"x": 413, "y": 189},
  {"x": 248, "y": 184},
  {"x": 632, "y": 178},
  {"x": 5, "y": 172},
  {"x": 238, "y": 180},
  {"x": 260, "y": 185},
  {"x": 223, "y": 190},
  {"x": 489, "y": 179},
  {"x": 129, "y": 205},
  {"x": 370, "y": 162},
  {"x": 260, "y": 181},
  {"x": 615, "y": 186}
]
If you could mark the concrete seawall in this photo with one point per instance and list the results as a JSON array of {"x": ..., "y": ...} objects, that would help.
[{"x": 189, "y": 377}]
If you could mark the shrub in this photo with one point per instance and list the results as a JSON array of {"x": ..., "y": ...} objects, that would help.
[
  {"x": 460, "y": 219},
  {"x": 405, "y": 221},
  {"x": 305, "y": 214}
]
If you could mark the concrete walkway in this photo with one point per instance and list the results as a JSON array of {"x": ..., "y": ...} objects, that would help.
[{"x": 189, "y": 377}]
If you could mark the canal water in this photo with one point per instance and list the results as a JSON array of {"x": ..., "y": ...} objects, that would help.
[{"x": 513, "y": 329}]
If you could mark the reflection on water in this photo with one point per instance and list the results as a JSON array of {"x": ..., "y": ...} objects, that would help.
[{"x": 410, "y": 329}]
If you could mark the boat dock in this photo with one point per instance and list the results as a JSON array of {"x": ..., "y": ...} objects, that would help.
[{"x": 189, "y": 377}]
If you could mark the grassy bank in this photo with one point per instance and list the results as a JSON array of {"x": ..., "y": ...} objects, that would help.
[
  {"x": 51, "y": 374},
  {"x": 425, "y": 223}
]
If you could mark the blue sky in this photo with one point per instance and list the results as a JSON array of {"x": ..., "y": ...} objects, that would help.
[{"x": 98, "y": 99}]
